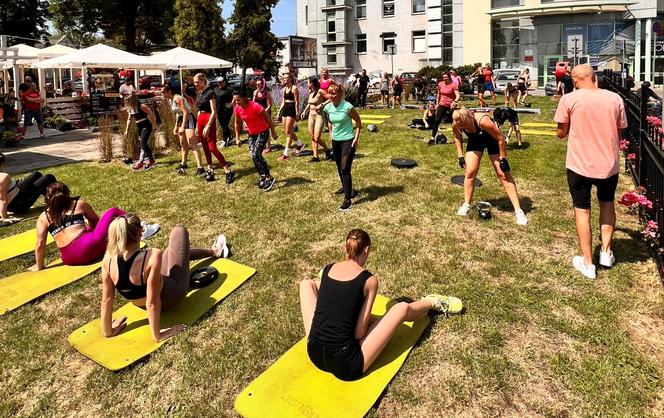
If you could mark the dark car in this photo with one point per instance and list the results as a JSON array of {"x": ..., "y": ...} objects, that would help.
[
  {"x": 149, "y": 80},
  {"x": 407, "y": 78},
  {"x": 551, "y": 86}
]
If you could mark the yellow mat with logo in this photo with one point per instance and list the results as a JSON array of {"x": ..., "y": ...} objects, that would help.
[
  {"x": 294, "y": 387},
  {"x": 135, "y": 341}
]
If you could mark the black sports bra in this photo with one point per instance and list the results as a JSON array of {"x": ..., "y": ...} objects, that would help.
[
  {"x": 69, "y": 220},
  {"x": 124, "y": 286},
  {"x": 290, "y": 95},
  {"x": 479, "y": 132}
]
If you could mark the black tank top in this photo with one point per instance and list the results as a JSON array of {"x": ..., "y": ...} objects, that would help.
[
  {"x": 289, "y": 95},
  {"x": 479, "y": 134},
  {"x": 262, "y": 100},
  {"x": 338, "y": 309},
  {"x": 124, "y": 286},
  {"x": 138, "y": 114}
]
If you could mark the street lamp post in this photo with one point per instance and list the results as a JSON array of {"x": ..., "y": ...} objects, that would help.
[{"x": 391, "y": 50}]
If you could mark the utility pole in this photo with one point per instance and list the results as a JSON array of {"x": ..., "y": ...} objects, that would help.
[
  {"x": 576, "y": 50},
  {"x": 392, "y": 49}
]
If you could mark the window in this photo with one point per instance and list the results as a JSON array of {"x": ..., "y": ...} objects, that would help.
[
  {"x": 360, "y": 9},
  {"x": 388, "y": 8},
  {"x": 331, "y": 28},
  {"x": 332, "y": 55},
  {"x": 361, "y": 43},
  {"x": 419, "y": 41},
  {"x": 389, "y": 42},
  {"x": 507, "y": 3},
  {"x": 447, "y": 31},
  {"x": 418, "y": 6}
]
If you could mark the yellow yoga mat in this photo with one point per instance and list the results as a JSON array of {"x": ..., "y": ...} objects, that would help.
[
  {"x": 540, "y": 125},
  {"x": 18, "y": 244},
  {"x": 294, "y": 387},
  {"x": 21, "y": 288},
  {"x": 375, "y": 122},
  {"x": 135, "y": 341},
  {"x": 372, "y": 116},
  {"x": 538, "y": 132}
]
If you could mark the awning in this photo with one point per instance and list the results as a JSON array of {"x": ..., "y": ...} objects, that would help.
[
  {"x": 97, "y": 56},
  {"x": 562, "y": 7},
  {"x": 182, "y": 59}
]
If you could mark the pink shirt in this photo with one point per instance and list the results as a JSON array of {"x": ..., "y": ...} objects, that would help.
[
  {"x": 595, "y": 117},
  {"x": 446, "y": 93},
  {"x": 252, "y": 115}
]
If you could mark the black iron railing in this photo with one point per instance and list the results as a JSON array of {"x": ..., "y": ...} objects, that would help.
[{"x": 644, "y": 158}]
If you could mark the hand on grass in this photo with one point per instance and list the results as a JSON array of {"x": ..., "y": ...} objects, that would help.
[{"x": 167, "y": 333}]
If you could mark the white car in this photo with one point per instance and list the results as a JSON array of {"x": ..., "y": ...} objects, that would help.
[{"x": 374, "y": 82}]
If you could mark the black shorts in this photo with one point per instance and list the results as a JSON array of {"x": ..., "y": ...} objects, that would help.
[
  {"x": 522, "y": 87},
  {"x": 288, "y": 110},
  {"x": 345, "y": 362},
  {"x": 580, "y": 188},
  {"x": 480, "y": 87},
  {"x": 189, "y": 124},
  {"x": 482, "y": 143}
]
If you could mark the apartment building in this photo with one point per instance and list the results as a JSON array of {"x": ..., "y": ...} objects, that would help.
[{"x": 355, "y": 34}]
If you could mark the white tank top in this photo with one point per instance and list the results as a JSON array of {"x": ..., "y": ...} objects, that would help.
[{"x": 176, "y": 109}]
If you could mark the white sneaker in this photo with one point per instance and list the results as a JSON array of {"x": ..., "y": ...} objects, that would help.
[
  {"x": 149, "y": 230},
  {"x": 220, "y": 243},
  {"x": 520, "y": 217},
  {"x": 606, "y": 259},
  {"x": 580, "y": 265},
  {"x": 464, "y": 210}
]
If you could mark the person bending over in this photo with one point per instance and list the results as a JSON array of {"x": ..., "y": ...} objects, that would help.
[
  {"x": 511, "y": 94},
  {"x": 78, "y": 232},
  {"x": 483, "y": 134},
  {"x": 18, "y": 196},
  {"x": 506, "y": 114},
  {"x": 259, "y": 124},
  {"x": 343, "y": 338},
  {"x": 185, "y": 129},
  {"x": 149, "y": 278}
]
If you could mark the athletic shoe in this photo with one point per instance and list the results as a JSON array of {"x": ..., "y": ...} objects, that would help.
[
  {"x": 184, "y": 166},
  {"x": 283, "y": 157},
  {"x": 606, "y": 259},
  {"x": 432, "y": 141},
  {"x": 580, "y": 265},
  {"x": 298, "y": 149},
  {"x": 329, "y": 155},
  {"x": 314, "y": 160},
  {"x": 520, "y": 217},
  {"x": 209, "y": 176},
  {"x": 464, "y": 210},
  {"x": 138, "y": 165},
  {"x": 445, "y": 304},
  {"x": 200, "y": 171},
  {"x": 268, "y": 184},
  {"x": 149, "y": 165},
  {"x": 220, "y": 243},
  {"x": 230, "y": 176},
  {"x": 149, "y": 230},
  {"x": 346, "y": 205},
  {"x": 181, "y": 171}
]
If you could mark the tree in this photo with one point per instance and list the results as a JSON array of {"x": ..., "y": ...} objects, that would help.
[
  {"x": 252, "y": 41},
  {"x": 23, "y": 19},
  {"x": 133, "y": 24},
  {"x": 198, "y": 25}
]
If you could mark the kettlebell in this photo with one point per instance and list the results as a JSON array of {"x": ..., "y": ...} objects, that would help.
[{"x": 484, "y": 210}]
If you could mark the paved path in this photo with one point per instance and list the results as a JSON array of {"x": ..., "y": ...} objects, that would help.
[{"x": 73, "y": 146}]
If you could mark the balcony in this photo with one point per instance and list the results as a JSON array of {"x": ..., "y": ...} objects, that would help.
[
  {"x": 341, "y": 43},
  {"x": 334, "y": 5},
  {"x": 562, "y": 7}
]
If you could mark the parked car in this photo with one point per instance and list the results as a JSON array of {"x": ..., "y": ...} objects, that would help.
[
  {"x": 374, "y": 82},
  {"x": 407, "y": 77},
  {"x": 504, "y": 76},
  {"x": 551, "y": 86},
  {"x": 150, "y": 80}
]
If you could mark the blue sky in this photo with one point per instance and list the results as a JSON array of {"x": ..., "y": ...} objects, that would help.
[{"x": 283, "y": 16}]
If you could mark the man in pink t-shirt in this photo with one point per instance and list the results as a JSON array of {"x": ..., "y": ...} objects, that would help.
[
  {"x": 448, "y": 94},
  {"x": 259, "y": 124},
  {"x": 592, "y": 118}
]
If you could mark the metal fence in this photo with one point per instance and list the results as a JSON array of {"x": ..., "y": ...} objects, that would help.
[{"x": 644, "y": 159}]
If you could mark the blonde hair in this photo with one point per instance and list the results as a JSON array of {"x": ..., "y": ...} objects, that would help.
[
  {"x": 202, "y": 77},
  {"x": 460, "y": 115},
  {"x": 356, "y": 242},
  {"x": 337, "y": 88},
  {"x": 124, "y": 230}
]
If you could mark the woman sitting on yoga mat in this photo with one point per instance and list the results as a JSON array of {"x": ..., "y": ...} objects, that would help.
[
  {"x": 149, "y": 278},
  {"x": 19, "y": 195},
  {"x": 65, "y": 219},
  {"x": 342, "y": 336}
]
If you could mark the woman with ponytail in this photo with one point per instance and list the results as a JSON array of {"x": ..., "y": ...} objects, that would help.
[
  {"x": 78, "y": 232},
  {"x": 342, "y": 336},
  {"x": 149, "y": 278}
]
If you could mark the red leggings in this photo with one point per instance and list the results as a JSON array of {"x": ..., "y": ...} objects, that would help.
[{"x": 209, "y": 142}]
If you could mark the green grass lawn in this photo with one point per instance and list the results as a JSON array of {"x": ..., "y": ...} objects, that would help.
[{"x": 537, "y": 339}]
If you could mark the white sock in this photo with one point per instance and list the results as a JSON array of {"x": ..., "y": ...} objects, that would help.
[
  {"x": 298, "y": 143},
  {"x": 286, "y": 151}
]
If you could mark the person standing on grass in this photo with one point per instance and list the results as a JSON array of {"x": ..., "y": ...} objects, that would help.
[
  {"x": 447, "y": 97},
  {"x": 343, "y": 338},
  {"x": 397, "y": 91},
  {"x": 143, "y": 117},
  {"x": 566, "y": 84},
  {"x": 362, "y": 83},
  {"x": 206, "y": 129},
  {"x": 340, "y": 116},
  {"x": 478, "y": 75},
  {"x": 483, "y": 134},
  {"x": 263, "y": 97},
  {"x": 522, "y": 84},
  {"x": 290, "y": 105},
  {"x": 316, "y": 120},
  {"x": 32, "y": 102},
  {"x": 490, "y": 82},
  {"x": 591, "y": 119},
  {"x": 224, "y": 97},
  {"x": 385, "y": 90},
  {"x": 185, "y": 129},
  {"x": 259, "y": 124}
]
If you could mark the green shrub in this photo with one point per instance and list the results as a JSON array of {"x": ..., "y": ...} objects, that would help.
[{"x": 57, "y": 122}]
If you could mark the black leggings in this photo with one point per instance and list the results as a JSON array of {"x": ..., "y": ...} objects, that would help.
[
  {"x": 443, "y": 114},
  {"x": 343, "y": 156},
  {"x": 256, "y": 145},
  {"x": 362, "y": 97},
  {"x": 144, "y": 132},
  {"x": 420, "y": 122},
  {"x": 29, "y": 190},
  {"x": 224, "y": 118}
]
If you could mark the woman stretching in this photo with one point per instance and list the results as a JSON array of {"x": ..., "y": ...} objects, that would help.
[
  {"x": 19, "y": 195},
  {"x": 65, "y": 219},
  {"x": 259, "y": 124},
  {"x": 142, "y": 115},
  {"x": 428, "y": 118},
  {"x": 289, "y": 113},
  {"x": 341, "y": 115},
  {"x": 316, "y": 120},
  {"x": 342, "y": 336},
  {"x": 149, "y": 278},
  {"x": 263, "y": 97},
  {"x": 206, "y": 128},
  {"x": 185, "y": 128},
  {"x": 483, "y": 134}
]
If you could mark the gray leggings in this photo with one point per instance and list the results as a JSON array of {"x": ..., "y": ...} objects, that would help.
[
  {"x": 256, "y": 145},
  {"x": 175, "y": 266}
]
